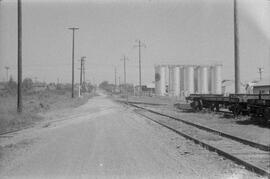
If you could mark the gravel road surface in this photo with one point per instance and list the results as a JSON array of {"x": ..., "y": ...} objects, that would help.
[{"x": 103, "y": 139}]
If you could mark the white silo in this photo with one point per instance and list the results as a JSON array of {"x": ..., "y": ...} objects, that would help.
[
  {"x": 196, "y": 80},
  {"x": 170, "y": 80},
  {"x": 176, "y": 81},
  {"x": 160, "y": 80},
  {"x": 203, "y": 84},
  {"x": 212, "y": 80},
  {"x": 218, "y": 79},
  {"x": 182, "y": 80},
  {"x": 189, "y": 80}
]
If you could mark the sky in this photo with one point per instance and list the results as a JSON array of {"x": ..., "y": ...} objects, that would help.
[{"x": 180, "y": 32}]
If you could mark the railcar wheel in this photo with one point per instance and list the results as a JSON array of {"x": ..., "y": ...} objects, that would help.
[{"x": 267, "y": 114}]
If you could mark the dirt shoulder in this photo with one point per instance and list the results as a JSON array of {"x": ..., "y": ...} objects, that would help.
[{"x": 35, "y": 106}]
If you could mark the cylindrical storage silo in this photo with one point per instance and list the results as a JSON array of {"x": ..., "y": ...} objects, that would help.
[
  {"x": 189, "y": 80},
  {"x": 160, "y": 80},
  {"x": 196, "y": 80},
  {"x": 218, "y": 79},
  {"x": 212, "y": 80},
  {"x": 199, "y": 80},
  {"x": 182, "y": 81},
  {"x": 176, "y": 81},
  {"x": 203, "y": 79},
  {"x": 170, "y": 80},
  {"x": 167, "y": 78}
]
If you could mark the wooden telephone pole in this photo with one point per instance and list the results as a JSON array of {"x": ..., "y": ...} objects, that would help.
[
  {"x": 125, "y": 75},
  {"x": 236, "y": 50},
  {"x": 140, "y": 44},
  {"x": 73, "y": 39},
  {"x": 19, "y": 99},
  {"x": 81, "y": 74}
]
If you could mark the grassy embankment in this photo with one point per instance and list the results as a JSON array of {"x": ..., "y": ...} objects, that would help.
[{"x": 33, "y": 105}]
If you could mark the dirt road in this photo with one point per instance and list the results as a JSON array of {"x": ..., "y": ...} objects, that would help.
[{"x": 106, "y": 140}]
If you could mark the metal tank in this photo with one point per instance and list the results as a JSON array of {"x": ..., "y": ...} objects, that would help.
[
  {"x": 182, "y": 80},
  {"x": 176, "y": 81},
  {"x": 189, "y": 80},
  {"x": 160, "y": 80},
  {"x": 218, "y": 79},
  {"x": 196, "y": 80},
  {"x": 203, "y": 71},
  {"x": 212, "y": 80},
  {"x": 170, "y": 80}
]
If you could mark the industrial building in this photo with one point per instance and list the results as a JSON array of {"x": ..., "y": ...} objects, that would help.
[
  {"x": 262, "y": 87},
  {"x": 182, "y": 80}
]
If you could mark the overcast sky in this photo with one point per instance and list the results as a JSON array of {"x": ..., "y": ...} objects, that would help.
[{"x": 175, "y": 32}]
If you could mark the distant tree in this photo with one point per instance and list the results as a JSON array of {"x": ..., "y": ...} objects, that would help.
[
  {"x": 106, "y": 86},
  {"x": 103, "y": 84},
  {"x": 11, "y": 85},
  {"x": 27, "y": 84}
]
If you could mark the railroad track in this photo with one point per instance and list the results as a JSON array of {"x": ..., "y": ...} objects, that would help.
[
  {"x": 190, "y": 109},
  {"x": 253, "y": 156}
]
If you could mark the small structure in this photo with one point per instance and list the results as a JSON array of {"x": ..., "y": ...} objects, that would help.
[
  {"x": 262, "y": 87},
  {"x": 2, "y": 86},
  {"x": 51, "y": 86},
  {"x": 147, "y": 90},
  {"x": 39, "y": 86},
  {"x": 228, "y": 87}
]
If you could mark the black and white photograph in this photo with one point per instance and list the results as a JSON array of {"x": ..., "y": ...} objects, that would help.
[{"x": 143, "y": 89}]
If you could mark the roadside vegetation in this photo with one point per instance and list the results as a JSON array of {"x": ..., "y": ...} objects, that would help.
[{"x": 37, "y": 99}]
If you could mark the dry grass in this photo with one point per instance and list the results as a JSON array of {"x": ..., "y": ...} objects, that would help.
[{"x": 33, "y": 105}]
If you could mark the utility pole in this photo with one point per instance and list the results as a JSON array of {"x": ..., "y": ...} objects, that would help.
[
  {"x": 73, "y": 39},
  {"x": 236, "y": 50},
  {"x": 125, "y": 81},
  {"x": 140, "y": 44},
  {"x": 84, "y": 72},
  {"x": 81, "y": 73},
  {"x": 19, "y": 99},
  {"x": 115, "y": 83},
  {"x": 7, "y": 68},
  {"x": 260, "y": 72},
  {"x": 119, "y": 84}
]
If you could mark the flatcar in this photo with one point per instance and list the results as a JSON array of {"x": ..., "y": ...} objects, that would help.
[{"x": 244, "y": 104}]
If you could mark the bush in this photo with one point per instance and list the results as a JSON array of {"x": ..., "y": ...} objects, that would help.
[
  {"x": 11, "y": 86},
  {"x": 27, "y": 84}
]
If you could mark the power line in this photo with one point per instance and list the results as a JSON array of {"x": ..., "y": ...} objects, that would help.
[{"x": 73, "y": 39}]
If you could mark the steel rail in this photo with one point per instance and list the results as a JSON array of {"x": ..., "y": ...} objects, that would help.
[
  {"x": 209, "y": 147},
  {"x": 244, "y": 141}
]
